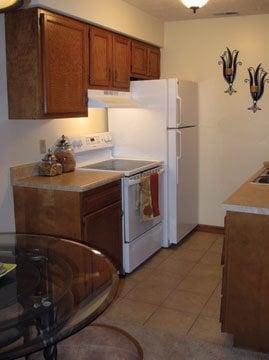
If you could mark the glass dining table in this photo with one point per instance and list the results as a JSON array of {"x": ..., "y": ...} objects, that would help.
[{"x": 50, "y": 288}]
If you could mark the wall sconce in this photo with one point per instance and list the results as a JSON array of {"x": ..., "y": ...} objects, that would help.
[
  {"x": 229, "y": 63},
  {"x": 257, "y": 79}
]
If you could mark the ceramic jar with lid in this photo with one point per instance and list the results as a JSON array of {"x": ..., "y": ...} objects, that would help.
[
  {"x": 65, "y": 154},
  {"x": 49, "y": 166}
]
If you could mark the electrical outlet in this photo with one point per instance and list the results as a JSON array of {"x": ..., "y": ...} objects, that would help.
[{"x": 42, "y": 146}]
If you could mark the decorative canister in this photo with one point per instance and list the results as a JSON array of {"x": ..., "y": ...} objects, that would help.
[
  {"x": 65, "y": 154},
  {"x": 49, "y": 166}
]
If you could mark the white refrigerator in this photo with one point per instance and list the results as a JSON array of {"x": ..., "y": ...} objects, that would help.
[{"x": 164, "y": 127}]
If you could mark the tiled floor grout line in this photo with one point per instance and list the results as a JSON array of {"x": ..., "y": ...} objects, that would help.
[
  {"x": 176, "y": 287},
  {"x": 203, "y": 308},
  {"x": 196, "y": 318},
  {"x": 160, "y": 305}
]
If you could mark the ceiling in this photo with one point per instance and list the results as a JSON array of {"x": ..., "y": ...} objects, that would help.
[{"x": 171, "y": 10}]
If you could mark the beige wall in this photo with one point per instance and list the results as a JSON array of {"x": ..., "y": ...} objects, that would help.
[
  {"x": 114, "y": 14},
  {"x": 233, "y": 141},
  {"x": 19, "y": 140}
]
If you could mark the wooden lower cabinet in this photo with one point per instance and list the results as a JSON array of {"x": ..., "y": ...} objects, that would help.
[
  {"x": 245, "y": 284},
  {"x": 93, "y": 217},
  {"x": 102, "y": 230}
]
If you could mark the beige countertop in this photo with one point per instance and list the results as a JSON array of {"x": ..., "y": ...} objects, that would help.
[
  {"x": 78, "y": 181},
  {"x": 250, "y": 197}
]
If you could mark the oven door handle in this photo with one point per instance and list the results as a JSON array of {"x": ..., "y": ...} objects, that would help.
[{"x": 138, "y": 181}]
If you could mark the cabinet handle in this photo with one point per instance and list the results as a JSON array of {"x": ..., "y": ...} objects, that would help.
[
  {"x": 116, "y": 74},
  {"x": 109, "y": 74}
]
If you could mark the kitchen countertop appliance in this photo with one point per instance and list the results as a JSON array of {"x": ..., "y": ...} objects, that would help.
[{"x": 141, "y": 239}]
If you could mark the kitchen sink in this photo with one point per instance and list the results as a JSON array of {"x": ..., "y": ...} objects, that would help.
[{"x": 263, "y": 178}]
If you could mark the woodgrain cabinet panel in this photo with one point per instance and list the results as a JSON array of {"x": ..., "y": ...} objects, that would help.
[
  {"x": 100, "y": 57},
  {"x": 145, "y": 61},
  {"x": 64, "y": 54},
  {"x": 100, "y": 198},
  {"x": 93, "y": 217},
  {"x": 154, "y": 63},
  {"x": 102, "y": 230},
  {"x": 109, "y": 60},
  {"x": 53, "y": 59},
  {"x": 47, "y": 65},
  {"x": 139, "y": 64},
  {"x": 121, "y": 62},
  {"x": 245, "y": 283},
  {"x": 47, "y": 212}
]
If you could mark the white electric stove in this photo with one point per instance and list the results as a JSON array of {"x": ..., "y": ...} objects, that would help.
[{"x": 141, "y": 239}]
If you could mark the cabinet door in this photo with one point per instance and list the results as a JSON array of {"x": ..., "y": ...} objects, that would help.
[
  {"x": 64, "y": 58},
  {"x": 103, "y": 231},
  {"x": 139, "y": 59},
  {"x": 121, "y": 62},
  {"x": 100, "y": 57},
  {"x": 154, "y": 63}
]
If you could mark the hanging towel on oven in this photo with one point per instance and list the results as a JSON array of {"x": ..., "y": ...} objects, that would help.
[{"x": 149, "y": 197}]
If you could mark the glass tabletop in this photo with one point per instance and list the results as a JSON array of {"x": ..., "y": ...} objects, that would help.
[{"x": 57, "y": 287}]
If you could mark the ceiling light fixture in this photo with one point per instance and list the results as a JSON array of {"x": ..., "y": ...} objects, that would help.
[
  {"x": 6, "y": 5},
  {"x": 194, "y": 4}
]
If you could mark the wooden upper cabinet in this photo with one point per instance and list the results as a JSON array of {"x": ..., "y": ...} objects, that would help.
[
  {"x": 47, "y": 65},
  {"x": 145, "y": 61},
  {"x": 154, "y": 62},
  {"x": 50, "y": 67},
  {"x": 121, "y": 62},
  {"x": 64, "y": 54},
  {"x": 100, "y": 57},
  {"x": 139, "y": 64},
  {"x": 109, "y": 60}
]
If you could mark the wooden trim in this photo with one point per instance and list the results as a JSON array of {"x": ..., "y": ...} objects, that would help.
[{"x": 210, "y": 229}]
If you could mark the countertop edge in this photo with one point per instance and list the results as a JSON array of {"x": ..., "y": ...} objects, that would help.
[
  {"x": 230, "y": 205},
  {"x": 246, "y": 209},
  {"x": 25, "y": 183}
]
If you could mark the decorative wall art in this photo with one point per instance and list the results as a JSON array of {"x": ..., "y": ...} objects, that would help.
[
  {"x": 229, "y": 62},
  {"x": 257, "y": 80}
]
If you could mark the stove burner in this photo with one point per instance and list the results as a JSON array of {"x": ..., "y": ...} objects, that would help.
[{"x": 118, "y": 165}]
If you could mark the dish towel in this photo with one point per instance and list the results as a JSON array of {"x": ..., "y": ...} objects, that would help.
[{"x": 149, "y": 197}]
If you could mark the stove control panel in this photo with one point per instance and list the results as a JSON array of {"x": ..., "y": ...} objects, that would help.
[{"x": 92, "y": 142}]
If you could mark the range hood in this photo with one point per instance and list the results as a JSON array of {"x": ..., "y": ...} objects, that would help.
[{"x": 111, "y": 99}]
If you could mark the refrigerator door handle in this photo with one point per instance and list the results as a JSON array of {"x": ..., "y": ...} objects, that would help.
[
  {"x": 180, "y": 144},
  {"x": 179, "y": 155},
  {"x": 177, "y": 169},
  {"x": 179, "y": 113}
]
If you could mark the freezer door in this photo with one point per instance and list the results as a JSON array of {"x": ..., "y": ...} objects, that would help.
[
  {"x": 183, "y": 103},
  {"x": 187, "y": 180},
  {"x": 188, "y": 93}
]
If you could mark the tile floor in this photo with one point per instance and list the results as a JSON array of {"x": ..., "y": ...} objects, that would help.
[
  {"x": 177, "y": 290},
  {"x": 171, "y": 306}
]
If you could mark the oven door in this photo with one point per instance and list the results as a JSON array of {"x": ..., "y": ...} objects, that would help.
[{"x": 134, "y": 226}]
